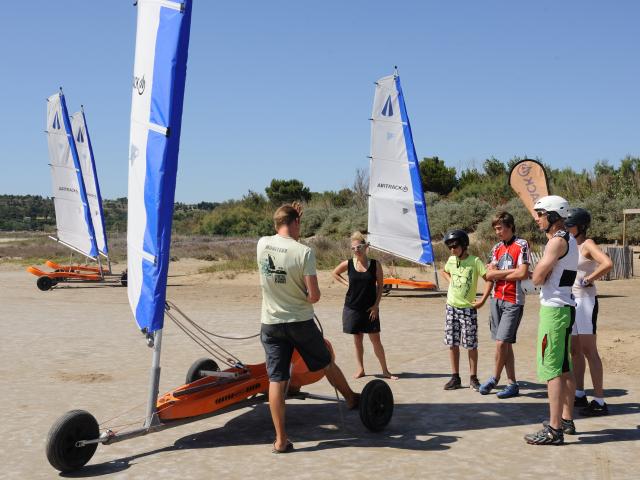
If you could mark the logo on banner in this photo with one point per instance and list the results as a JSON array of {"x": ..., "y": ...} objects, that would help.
[
  {"x": 56, "y": 122},
  {"x": 139, "y": 84},
  {"x": 387, "y": 110},
  {"x": 390, "y": 186},
  {"x": 80, "y": 137}
]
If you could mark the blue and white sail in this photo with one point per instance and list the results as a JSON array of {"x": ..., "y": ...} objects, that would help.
[
  {"x": 162, "y": 41},
  {"x": 73, "y": 217},
  {"x": 90, "y": 177},
  {"x": 398, "y": 221}
]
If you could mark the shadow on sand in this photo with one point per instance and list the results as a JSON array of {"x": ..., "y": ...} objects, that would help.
[{"x": 319, "y": 423}]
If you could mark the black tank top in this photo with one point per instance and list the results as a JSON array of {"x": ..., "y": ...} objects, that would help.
[{"x": 362, "y": 287}]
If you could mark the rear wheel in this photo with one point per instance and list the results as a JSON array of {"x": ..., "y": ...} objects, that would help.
[
  {"x": 73, "y": 426},
  {"x": 195, "y": 372},
  {"x": 386, "y": 289},
  {"x": 44, "y": 283},
  {"x": 376, "y": 405},
  {"x": 123, "y": 279}
]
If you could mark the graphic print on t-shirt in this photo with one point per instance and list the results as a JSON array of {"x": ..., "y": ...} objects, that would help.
[
  {"x": 269, "y": 269},
  {"x": 462, "y": 279}
]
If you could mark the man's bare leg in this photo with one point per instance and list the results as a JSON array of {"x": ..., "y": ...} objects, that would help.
[
  {"x": 510, "y": 364},
  {"x": 338, "y": 380},
  {"x": 569, "y": 390},
  {"x": 556, "y": 394},
  {"x": 473, "y": 362},
  {"x": 277, "y": 408},
  {"x": 454, "y": 358}
]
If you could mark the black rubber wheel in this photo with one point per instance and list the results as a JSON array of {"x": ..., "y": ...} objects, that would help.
[
  {"x": 44, "y": 283},
  {"x": 123, "y": 279},
  {"x": 386, "y": 289},
  {"x": 376, "y": 405},
  {"x": 62, "y": 453},
  {"x": 201, "y": 364}
]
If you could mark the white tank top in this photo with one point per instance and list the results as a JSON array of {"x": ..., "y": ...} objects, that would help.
[
  {"x": 586, "y": 267},
  {"x": 556, "y": 291}
]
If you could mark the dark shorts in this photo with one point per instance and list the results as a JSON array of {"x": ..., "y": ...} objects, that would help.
[
  {"x": 357, "y": 321},
  {"x": 279, "y": 341},
  {"x": 461, "y": 327},
  {"x": 504, "y": 320}
]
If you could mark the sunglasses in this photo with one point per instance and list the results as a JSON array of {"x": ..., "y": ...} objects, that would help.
[
  {"x": 357, "y": 248},
  {"x": 451, "y": 246},
  {"x": 541, "y": 214}
]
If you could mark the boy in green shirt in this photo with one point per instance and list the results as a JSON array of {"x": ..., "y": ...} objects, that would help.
[{"x": 461, "y": 324}]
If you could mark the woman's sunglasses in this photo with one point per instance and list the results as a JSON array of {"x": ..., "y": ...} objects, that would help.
[{"x": 357, "y": 248}]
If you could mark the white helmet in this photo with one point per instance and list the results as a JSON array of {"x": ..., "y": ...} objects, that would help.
[{"x": 553, "y": 203}]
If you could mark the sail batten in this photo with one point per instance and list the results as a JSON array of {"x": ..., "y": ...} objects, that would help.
[
  {"x": 397, "y": 219},
  {"x": 73, "y": 217},
  {"x": 162, "y": 41}
]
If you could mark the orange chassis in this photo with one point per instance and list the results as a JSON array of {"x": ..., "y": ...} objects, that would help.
[
  {"x": 70, "y": 273},
  {"x": 390, "y": 282}
]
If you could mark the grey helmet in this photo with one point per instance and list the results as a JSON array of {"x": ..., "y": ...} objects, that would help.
[{"x": 553, "y": 203}]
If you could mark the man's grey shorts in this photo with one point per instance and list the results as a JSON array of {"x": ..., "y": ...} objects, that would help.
[{"x": 504, "y": 320}]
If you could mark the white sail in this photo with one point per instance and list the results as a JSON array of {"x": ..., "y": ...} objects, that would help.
[
  {"x": 90, "y": 177},
  {"x": 397, "y": 220},
  {"x": 162, "y": 42},
  {"x": 73, "y": 219}
]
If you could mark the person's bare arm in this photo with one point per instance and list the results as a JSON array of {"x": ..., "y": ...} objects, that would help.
[
  {"x": 485, "y": 294},
  {"x": 313, "y": 289},
  {"x": 338, "y": 271},
  {"x": 556, "y": 248},
  {"x": 373, "y": 310},
  {"x": 446, "y": 276},
  {"x": 602, "y": 259}
]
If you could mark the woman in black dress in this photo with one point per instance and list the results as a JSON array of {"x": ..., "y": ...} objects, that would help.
[{"x": 360, "y": 314}]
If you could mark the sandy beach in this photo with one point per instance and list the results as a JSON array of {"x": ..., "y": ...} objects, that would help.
[{"x": 77, "y": 347}]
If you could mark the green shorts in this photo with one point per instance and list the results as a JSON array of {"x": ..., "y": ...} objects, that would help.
[{"x": 554, "y": 341}]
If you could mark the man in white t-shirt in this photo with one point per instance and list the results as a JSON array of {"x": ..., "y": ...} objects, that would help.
[{"x": 289, "y": 290}]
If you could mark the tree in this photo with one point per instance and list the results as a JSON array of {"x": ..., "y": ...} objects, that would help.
[
  {"x": 436, "y": 176},
  {"x": 494, "y": 167},
  {"x": 286, "y": 191}
]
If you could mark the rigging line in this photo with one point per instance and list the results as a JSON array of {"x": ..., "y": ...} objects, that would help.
[
  {"x": 173, "y": 306},
  {"x": 203, "y": 338},
  {"x": 203, "y": 333},
  {"x": 201, "y": 343}
]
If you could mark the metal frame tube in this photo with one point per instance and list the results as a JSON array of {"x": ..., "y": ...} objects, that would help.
[{"x": 154, "y": 383}]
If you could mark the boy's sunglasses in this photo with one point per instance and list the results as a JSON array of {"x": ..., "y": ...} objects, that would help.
[
  {"x": 541, "y": 213},
  {"x": 451, "y": 246}
]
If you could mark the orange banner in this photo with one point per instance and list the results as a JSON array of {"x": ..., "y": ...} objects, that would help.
[{"x": 529, "y": 180}]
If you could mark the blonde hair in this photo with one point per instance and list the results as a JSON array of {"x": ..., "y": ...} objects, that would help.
[
  {"x": 358, "y": 237},
  {"x": 287, "y": 214}
]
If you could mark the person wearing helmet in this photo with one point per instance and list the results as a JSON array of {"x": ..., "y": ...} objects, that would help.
[
  {"x": 461, "y": 322},
  {"x": 592, "y": 264},
  {"x": 508, "y": 267},
  {"x": 555, "y": 272}
]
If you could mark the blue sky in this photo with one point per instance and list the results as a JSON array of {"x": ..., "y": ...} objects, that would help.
[{"x": 283, "y": 89}]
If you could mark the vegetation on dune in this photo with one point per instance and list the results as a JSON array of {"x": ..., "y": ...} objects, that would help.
[{"x": 466, "y": 199}]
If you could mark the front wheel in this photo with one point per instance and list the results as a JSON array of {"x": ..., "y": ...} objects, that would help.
[
  {"x": 195, "y": 371},
  {"x": 73, "y": 426},
  {"x": 123, "y": 279},
  {"x": 386, "y": 289},
  {"x": 44, "y": 283},
  {"x": 376, "y": 405}
]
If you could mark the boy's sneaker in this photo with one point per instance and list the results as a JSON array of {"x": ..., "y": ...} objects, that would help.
[
  {"x": 453, "y": 383},
  {"x": 594, "y": 409},
  {"x": 547, "y": 436},
  {"x": 580, "y": 402},
  {"x": 568, "y": 427},
  {"x": 511, "y": 390},
  {"x": 487, "y": 386},
  {"x": 474, "y": 383}
]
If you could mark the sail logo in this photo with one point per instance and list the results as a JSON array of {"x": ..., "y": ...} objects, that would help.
[
  {"x": 56, "y": 122},
  {"x": 80, "y": 137},
  {"x": 139, "y": 84},
  {"x": 390, "y": 186},
  {"x": 68, "y": 189},
  {"x": 387, "y": 110}
]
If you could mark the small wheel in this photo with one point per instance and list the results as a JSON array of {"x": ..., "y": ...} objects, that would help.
[
  {"x": 123, "y": 279},
  {"x": 376, "y": 405},
  {"x": 44, "y": 283},
  {"x": 386, "y": 289},
  {"x": 201, "y": 364},
  {"x": 62, "y": 453}
]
